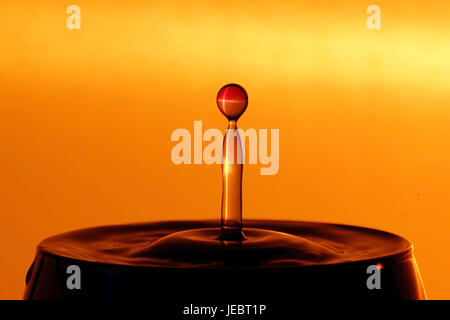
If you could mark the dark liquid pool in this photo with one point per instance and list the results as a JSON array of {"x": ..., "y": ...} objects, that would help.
[{"x": 179, "y": 259}]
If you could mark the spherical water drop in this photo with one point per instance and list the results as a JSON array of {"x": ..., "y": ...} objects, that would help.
[{"x": 232, "y": 101}]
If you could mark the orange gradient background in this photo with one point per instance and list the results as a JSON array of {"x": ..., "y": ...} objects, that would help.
[{"x": 86, "y": 117}]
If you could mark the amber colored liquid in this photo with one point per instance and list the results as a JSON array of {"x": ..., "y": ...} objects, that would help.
[
  {"x": 193, "y": 244},
  {"x": 232, "y": 102},
  {"x": 182, "y": 261},
  {"x": 231, "y": 211},
  {"x": 260, "y": 245},
  {"x": 265, "y": 244}
]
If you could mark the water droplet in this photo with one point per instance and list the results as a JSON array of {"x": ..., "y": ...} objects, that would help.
[{"x": 232, "y": 101}]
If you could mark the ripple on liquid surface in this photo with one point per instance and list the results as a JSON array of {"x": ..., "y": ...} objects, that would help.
[{"x": 194, "y": 244}]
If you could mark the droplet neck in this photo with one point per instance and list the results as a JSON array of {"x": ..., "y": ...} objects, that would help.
[{"x": 232, "y": 167}]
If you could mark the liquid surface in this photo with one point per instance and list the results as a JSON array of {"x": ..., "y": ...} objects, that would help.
[{"x": 195, "y": 244}]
